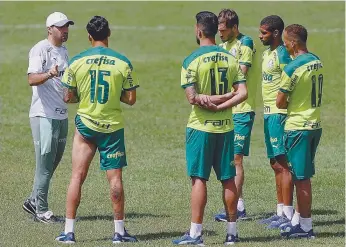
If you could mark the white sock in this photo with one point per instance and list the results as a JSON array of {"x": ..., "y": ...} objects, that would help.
[
  {"x": 288, "y": 211},
  {"x": 241, "y": 205},
  {"x": 69, "y": 225},
  {"x": 295, "y": 218},
  {"x": 119, "y": 227},
  {"x": 279, "y": 209},
  {"x": 232, "y": 228},
  {"x": 306, "y": 224},
  {"x": 195, "y": 230}
]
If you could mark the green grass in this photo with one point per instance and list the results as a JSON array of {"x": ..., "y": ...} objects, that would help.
[{"x": 156, "y": 186}]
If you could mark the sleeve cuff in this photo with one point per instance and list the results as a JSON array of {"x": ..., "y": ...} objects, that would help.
[
  {"x": 283, "y": 90},
  {"x": 131, "y": 88},
  {"x": 246, "y": 64},
  {"x": 66, "y": 85},
  {"x": 239, "y": 82},
  {"x": 34, "y": 71},
  {"x": 187, "y": 85}
]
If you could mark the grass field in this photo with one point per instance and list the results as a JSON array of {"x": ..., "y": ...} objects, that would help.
[{"x": 156, "y": 37}]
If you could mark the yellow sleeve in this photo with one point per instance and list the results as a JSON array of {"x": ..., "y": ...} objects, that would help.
[
  {"x": 288, "y": 84},
  {"x": 239, "y": 77},
  {"x": 130, "y": 79},
  {"x": 246, "y": 56},
  {"x": 69, "y": 79},
  {"x": 188, "y": 75}
]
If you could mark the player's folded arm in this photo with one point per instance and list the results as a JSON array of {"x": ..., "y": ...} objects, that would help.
[
  {"x": 203, "y": 100},
  {"x": 240, "y": 94},
  {"x": 191, "y": 94}
]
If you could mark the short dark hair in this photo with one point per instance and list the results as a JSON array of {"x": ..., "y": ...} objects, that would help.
[
  {"x": 207, "y": 21},
  {"x": 273, "y": 22},
  {"x": 228, "y": 16},
  {"x": 298, "y": 32},
  {"x": 98, "y": 28}
]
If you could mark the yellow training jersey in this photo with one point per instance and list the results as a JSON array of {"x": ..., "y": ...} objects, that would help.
[
  {"x": 213, "y": 71},
  {"x": 273, "y": 64},
  {"x": 243, "y": 49},
  {"x": 100, "y": 74},
  {"x": 302, "y": 80}
]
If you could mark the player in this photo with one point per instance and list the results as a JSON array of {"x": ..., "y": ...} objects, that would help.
[
  {"x": 48, "y": 60},
  {"x": 242, "y": 48},
  {"x": 208, "y": 75},
  {"x": 301, "y": 93},
  {"x": 99, "y": 78},
  {"x": 275, "y": 58}
]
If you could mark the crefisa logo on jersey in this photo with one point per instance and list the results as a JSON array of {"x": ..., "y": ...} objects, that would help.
[
  {"x": 100, "y": 60},
  {"x": 270, "y": 64}
]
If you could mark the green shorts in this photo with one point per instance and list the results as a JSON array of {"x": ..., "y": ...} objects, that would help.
[
  {"x": 111, "y": 146},
  {"x": 243, "y": 123},
  {"x": 206, "y": 150},
  {"x": 301, "y": 146},
  {"x": 274, "y": 125}
]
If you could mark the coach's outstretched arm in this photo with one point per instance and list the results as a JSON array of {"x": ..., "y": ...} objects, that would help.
[
  {"x": 36, "y": 79},
  {"x": 128, "y": 97}
]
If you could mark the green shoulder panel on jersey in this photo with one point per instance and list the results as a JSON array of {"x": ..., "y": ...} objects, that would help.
[
  {"x": 298, "y": 62},
  {"x": 283, "y": 55},
  {"x": 245, "y": 40},
  {"x": 201, "y": 51},
  {"x": 99, "y": 50}
]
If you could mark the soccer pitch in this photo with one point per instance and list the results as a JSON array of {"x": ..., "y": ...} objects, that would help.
[{"x": 156, "y": 37}]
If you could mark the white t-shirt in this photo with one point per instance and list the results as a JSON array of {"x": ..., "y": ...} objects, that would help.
[{"x": 47, "y": 98}]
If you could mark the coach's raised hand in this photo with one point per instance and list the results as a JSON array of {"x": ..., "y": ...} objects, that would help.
[{"x": 53, "y": 71}]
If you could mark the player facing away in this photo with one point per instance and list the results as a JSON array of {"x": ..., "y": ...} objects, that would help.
[
  {"x": 207, "y": 76},
  {"x": 99, "y": 79},
  {"x": 275, "y": 58},
  {"x": 242, "y": 48},
  {"x": 48, "y": 60},
  {"x": 301, "y": 93}
]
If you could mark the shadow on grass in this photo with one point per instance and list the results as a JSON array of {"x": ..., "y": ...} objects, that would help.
[
  {"x": 330, "y": 234},
  {"x": 127, "y": 216},
  {"x": 329, "y": 222},
  {"x": 152, "y": 236},
  {"x": 278, "y": 237},
  {"x": 261, "y": 239},
  {"x": 323, "y": 211},
  {"x": 314, "y": 212}
]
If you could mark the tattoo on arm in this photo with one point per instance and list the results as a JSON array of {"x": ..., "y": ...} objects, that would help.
[{"x": 191, "y": 95}]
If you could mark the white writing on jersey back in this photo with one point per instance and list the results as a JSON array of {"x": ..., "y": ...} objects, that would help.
[{"x": 47, "y": 98}]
